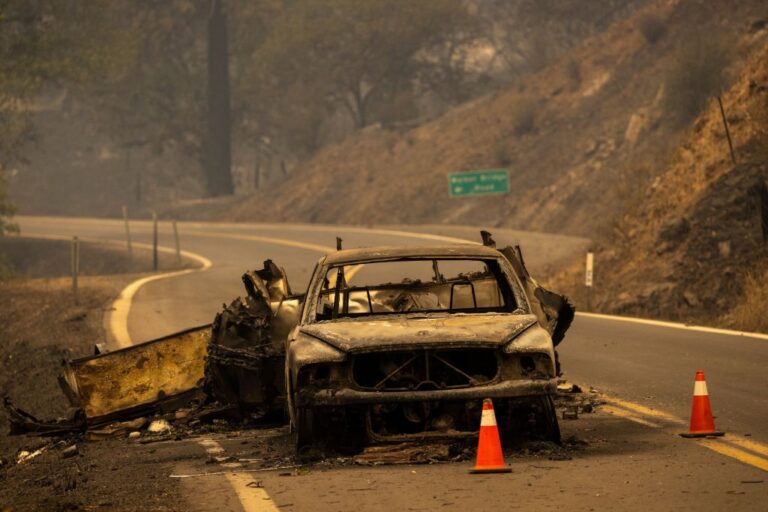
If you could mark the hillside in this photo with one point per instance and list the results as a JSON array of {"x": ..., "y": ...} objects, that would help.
[
  {"x": 696, "y": 249},
  {"x": 139, "y": 114},
  {"x": 580, "y": 138}
]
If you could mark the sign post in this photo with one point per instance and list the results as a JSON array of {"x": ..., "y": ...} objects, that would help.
[
  {"x": 478, "y": 183},
  {"x": 589, "y": 278}
]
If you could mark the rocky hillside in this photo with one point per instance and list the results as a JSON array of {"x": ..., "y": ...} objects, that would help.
[
  {"x": 581, "y": 138},
  {"x": 696, "y": 248}
]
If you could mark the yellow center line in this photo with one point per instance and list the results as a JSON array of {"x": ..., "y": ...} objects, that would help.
[
  {"x": 252, "y": 497},
  {"x": 647, "y": 411},
  {"x": 629, "y": 416},
  {"x": 729, "y": 451},
  {"x": 349, "y": 271},
  {"x": 731, "y": 445},
  {"x": 749, "y": 444},
  {"x": 266, "y": 239}
]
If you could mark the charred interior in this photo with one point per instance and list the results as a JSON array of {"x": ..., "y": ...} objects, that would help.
[{"x": 435, "y": 417}]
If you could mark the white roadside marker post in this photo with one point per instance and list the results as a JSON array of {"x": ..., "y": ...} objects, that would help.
[{"x": 589, "y": 277}]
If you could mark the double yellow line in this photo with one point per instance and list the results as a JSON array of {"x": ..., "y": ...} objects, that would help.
[{"x": 744, "y": 450}]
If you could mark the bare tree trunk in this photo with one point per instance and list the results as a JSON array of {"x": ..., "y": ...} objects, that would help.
[{"x": 217, "y": 152}]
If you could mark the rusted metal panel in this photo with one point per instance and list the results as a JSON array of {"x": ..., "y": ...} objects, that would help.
[{"x": 140, "y": 374}]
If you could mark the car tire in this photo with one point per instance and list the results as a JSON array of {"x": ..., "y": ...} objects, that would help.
[
  {"x": 548, "y": 427},
  {"x": 532, "y": 418},
  {"x": 347, "y": 433},
  {"x": 304, "y": 429}
]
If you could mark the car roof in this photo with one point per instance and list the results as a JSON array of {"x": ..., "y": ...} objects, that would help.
[{"x": 363, "y": 254}]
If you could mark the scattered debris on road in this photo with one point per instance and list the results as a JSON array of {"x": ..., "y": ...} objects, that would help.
[{"x": 398, "y": 367}]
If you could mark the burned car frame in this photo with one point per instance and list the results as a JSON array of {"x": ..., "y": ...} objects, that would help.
[
  {"x": 412, "y": 359},
  {"x": 388, "y": 343}
]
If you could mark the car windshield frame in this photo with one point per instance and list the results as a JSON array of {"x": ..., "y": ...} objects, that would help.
[{"x": 512, "y": 299}]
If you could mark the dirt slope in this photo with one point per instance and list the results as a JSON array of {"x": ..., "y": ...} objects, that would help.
[
  {"x": 579, "y": 138},
  {"x": 701, "y": 232}
]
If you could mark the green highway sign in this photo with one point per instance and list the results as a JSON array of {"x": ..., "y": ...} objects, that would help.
[{"x": 478, "y": 183}]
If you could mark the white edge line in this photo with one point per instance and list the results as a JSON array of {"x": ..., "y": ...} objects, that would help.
[
  {"x": 121, "y": 306},
  {"x": 117, "y": 317},
  {"x": 674, "y": 325}
]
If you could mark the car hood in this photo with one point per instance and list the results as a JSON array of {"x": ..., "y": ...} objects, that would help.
[{"x": 356, "y": 335}]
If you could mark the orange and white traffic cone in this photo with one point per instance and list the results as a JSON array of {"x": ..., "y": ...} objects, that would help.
[
  {"x": 490, "y": 458},
  {"x": 702, "y": 423}
]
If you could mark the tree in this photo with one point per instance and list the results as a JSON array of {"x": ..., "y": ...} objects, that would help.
[
  {"x": 175, "y": 91},
  {"x": 44, "y": 43},
  {"x": 158, "y": 100},
  {"x": 351, "y": 53},
  {"x": 530, "y": 34},
  {"x": 218, "y": 143}
]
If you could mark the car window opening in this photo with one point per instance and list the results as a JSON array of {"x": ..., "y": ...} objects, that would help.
[{"x": 414, "y": 286}]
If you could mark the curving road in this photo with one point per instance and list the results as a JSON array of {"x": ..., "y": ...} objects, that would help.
[{"x": 647, "y": 369}]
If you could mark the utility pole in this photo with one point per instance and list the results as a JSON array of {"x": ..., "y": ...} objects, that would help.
[{"x": 217, "y": 149}]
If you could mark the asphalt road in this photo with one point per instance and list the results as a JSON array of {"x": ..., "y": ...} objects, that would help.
[{"x": 647, "y": 369}]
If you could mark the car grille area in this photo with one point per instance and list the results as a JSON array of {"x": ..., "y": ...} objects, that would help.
[{"x": 424, "y": 370}]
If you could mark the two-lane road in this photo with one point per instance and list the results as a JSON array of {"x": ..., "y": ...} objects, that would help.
[
  {"x": 642, "y": 365},
  {"x": 650, "y": 364}
]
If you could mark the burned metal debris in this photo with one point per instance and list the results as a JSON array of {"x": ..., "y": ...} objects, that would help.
[
  {"x": 226, "y": 362},
  {"x": 354, "y": 360}
]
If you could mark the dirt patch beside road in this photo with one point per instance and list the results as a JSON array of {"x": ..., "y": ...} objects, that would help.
[{"x": 40, "y": 325}]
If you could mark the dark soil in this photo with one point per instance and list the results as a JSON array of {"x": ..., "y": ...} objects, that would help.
[
  {"x": 102, "y": 475},
  {"x": 40, "y": 326}
]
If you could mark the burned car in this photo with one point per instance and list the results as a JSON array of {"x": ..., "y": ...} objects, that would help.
[
  {"x": 405, "y": 342},
  {"x": 387, "y": 344}
]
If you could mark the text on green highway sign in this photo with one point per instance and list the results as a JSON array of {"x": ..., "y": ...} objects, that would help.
[{"x": 476, "y": 183}]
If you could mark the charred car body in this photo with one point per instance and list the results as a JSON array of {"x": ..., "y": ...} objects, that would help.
[
  {"x": 387, "y": 343},
  {"x": 375, "y": 358}
]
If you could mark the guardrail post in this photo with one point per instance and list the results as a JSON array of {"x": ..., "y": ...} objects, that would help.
[
  {"x": 178, "y": 243},
  {"x": 75, "y": 266},
  {"x": 154, "y": 241},
  {"x": 127, "y": 231}
]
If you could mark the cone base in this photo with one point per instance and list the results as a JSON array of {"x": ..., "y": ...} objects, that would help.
[
  {"x": 702, "y": 434},
  {"x": 477, "y": 471}
]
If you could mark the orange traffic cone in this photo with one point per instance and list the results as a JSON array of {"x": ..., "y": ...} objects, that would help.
[
  {"x": 490, "y": 459},
  {"x": 702, "y": 424}
]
